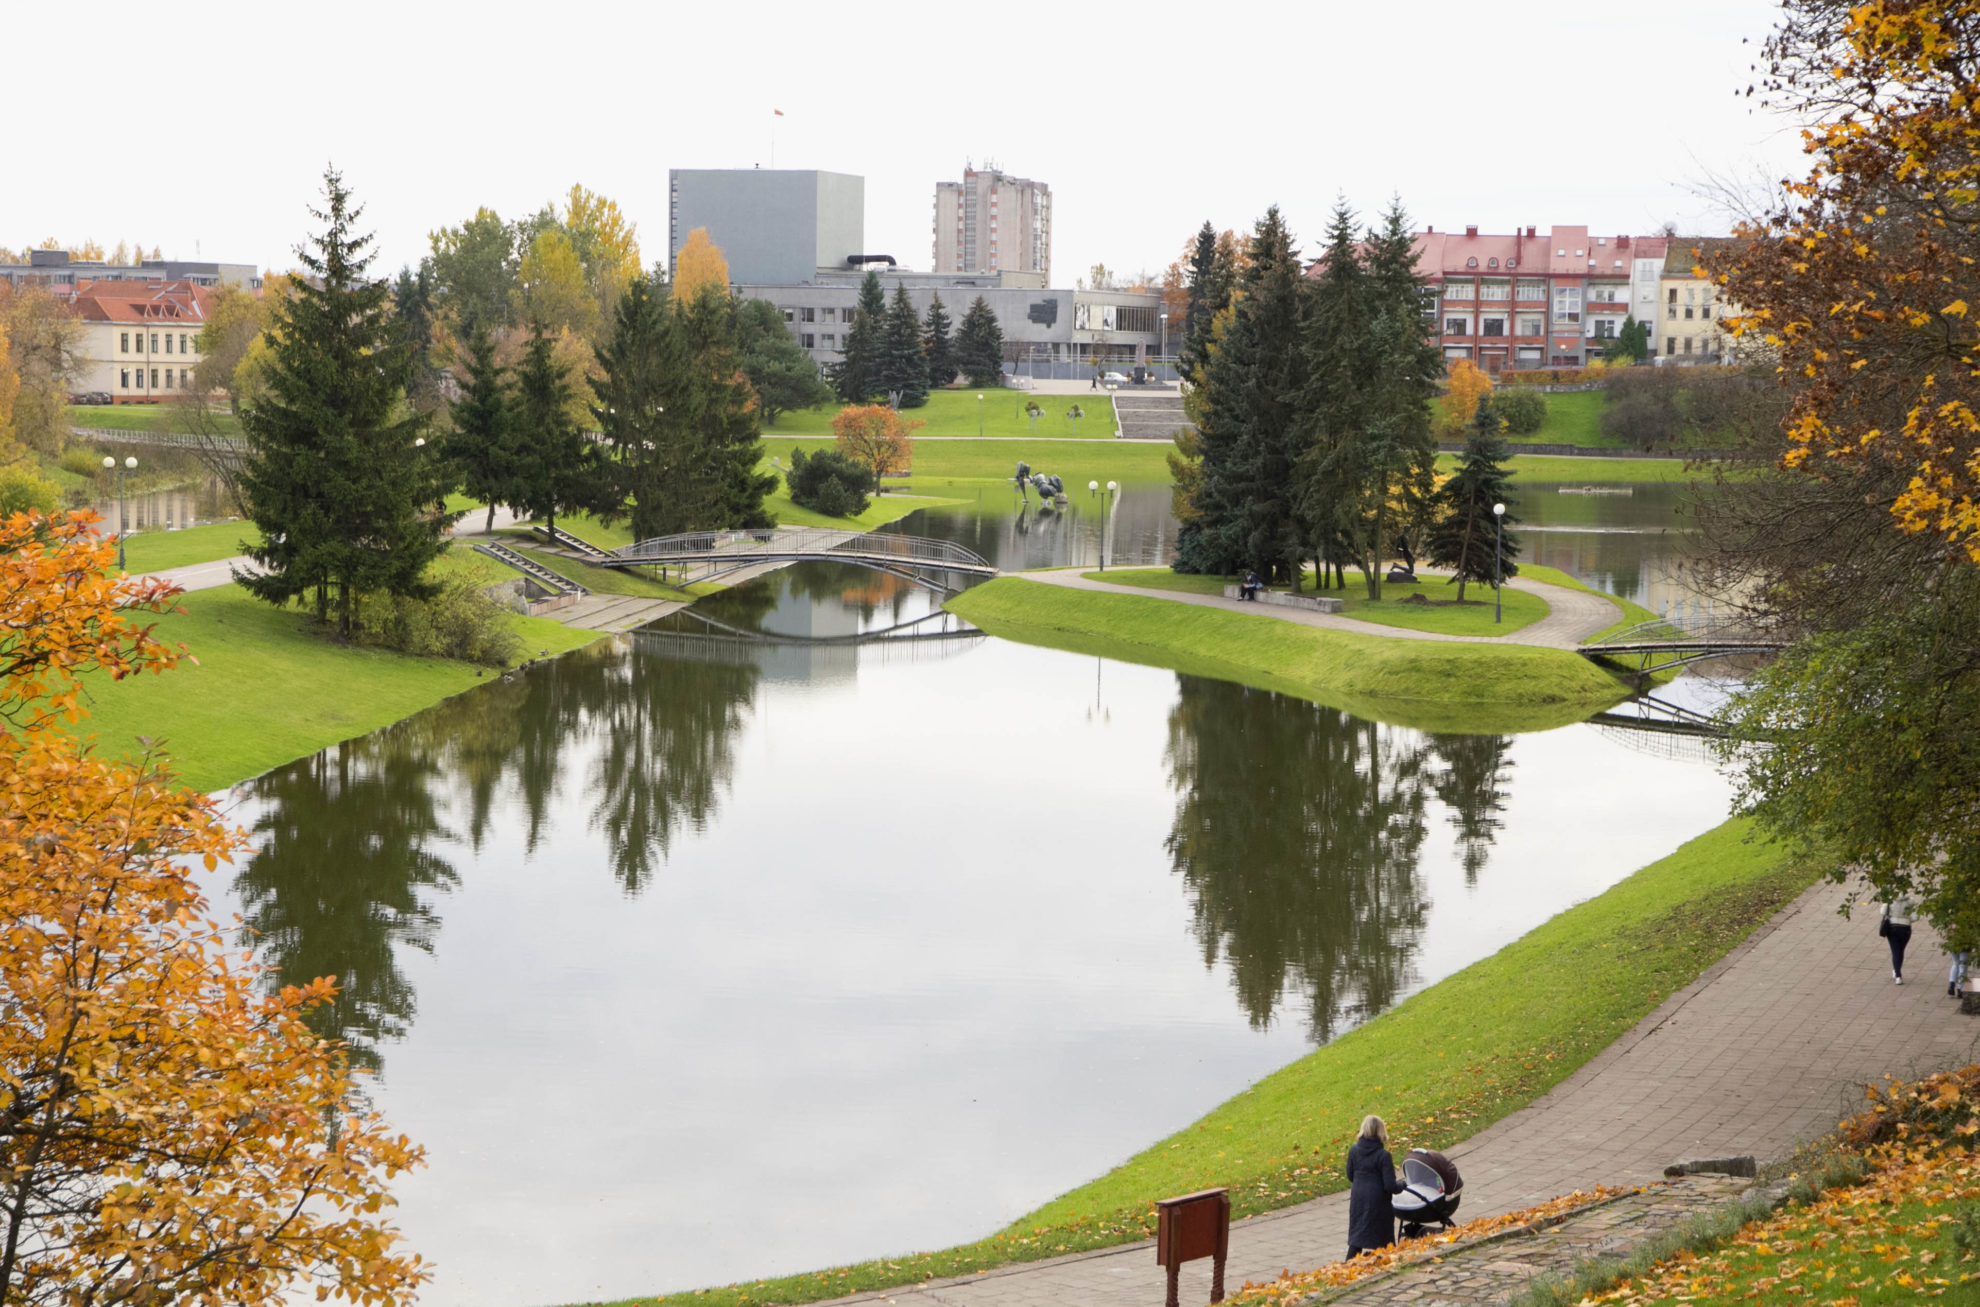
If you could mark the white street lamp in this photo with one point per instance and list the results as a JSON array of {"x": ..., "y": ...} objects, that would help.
[{"x": 1498, "y": 562}]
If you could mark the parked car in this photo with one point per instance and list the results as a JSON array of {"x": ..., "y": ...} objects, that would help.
[
  {"x": 1115, "y": 379},
  {"x": 90, "y": 397}
]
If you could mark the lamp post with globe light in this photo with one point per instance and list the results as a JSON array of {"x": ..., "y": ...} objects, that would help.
[
  {"x": 1498, "y": 561},
  {"x": 123, "y": 526},
  {"x": 1107, "y": 499}
]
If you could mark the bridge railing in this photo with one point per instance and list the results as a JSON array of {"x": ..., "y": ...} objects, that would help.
[
  {"x": 1691, "y": 629},
  {"x": 807, "y": 542}
]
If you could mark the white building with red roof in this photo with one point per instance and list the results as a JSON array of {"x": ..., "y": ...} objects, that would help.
[{"x": 140, "y": 342}]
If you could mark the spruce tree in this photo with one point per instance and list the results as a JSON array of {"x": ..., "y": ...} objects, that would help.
[
  {"x": 1332, "y": 470},
  {"x": 1631, "y": 345},
  {"x": 936, "y": 346},
  {"x": 345, "y": 492},
  {"x": 557, "y": 467},
  {"x": 726, "y": 436},
  {"x": 1249, "y": 428},
  {"x": 642, "y": 408},
  {"x": 857, "y": 374},
  {"x": 980, "y": 346},
  {"x": 1465, "y": 539},
  {"x": 480, "y": 450},
  {"x": 784, "y": 374},
  {"x": 1206, "y": 297},
  {"x": 903, "y": 367}
]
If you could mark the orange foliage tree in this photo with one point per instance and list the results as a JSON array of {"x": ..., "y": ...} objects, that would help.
[
  {"x": 699, "y": 264},
  {"x": 168, "y": 1131},
  {"x": 1466, "y": 387},
  {"x": 1867, "y": 282},
  {"x": 877, "y": 438}
]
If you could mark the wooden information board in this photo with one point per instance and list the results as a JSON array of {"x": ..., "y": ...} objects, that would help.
[{"x": 1193, "y": 1226}]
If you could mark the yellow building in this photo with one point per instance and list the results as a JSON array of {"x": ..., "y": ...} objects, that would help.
[
  {"x": 1693, "y": 324},
  {"x": 140, "y": 342}
]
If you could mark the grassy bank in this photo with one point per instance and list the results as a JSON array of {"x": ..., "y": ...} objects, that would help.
[
  {"x": 267, "y": 690},
  {"x": 1442, "y": 614},
  {"x": 1579, "y": 470},
  {"x": 1442, "y": 1066},
  {"x": 1431, "y": 685},
  {"x": 154, "y": 551},
  {"x": 955, "y": 413},
  {"x": 940, "y": 464},
  {"x": 140, "y": 417}
]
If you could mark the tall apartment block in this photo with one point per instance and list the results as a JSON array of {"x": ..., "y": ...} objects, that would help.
[{"x": 991, "y": 221}]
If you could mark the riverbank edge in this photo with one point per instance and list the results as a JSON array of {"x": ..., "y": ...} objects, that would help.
[
  {"x": 1691, "y": 888},
  {"x": 1439, "y": 686}
]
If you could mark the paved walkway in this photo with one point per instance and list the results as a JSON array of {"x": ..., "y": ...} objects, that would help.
[
  {"x": 1572, "y": 615},
  {"x": 1770, "y": 1047}
]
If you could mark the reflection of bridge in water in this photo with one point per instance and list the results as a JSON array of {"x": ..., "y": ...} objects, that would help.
[
  {"x": 697, "y": 637},
  {"x": 1647, "y": 724},
  {"x": 705, "y": 555}
]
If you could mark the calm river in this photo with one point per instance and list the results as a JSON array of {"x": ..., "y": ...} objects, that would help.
[{"x": 692, "y": 957}]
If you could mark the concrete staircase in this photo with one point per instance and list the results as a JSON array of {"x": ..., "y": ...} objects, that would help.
[{"x": 1150, "y": 415}]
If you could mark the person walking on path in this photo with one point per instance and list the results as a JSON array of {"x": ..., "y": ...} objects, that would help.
[
  {"x": 1956, "y": 975},
  {"x": 1373, "y": 1183},
  {"x": 1897, "y": 933}
]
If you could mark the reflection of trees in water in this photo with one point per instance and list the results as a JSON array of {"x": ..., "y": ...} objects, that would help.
[
  {"x": 1297, "y": 831},
  {"x": 344, "y": 875},
  {"x": 1471, "y": 784},
  {"x": 350, "y": 842}
]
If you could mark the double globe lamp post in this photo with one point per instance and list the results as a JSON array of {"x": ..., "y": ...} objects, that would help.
[
  {"x": 130, "y": 465},
  {"x": 1107, "y": 499}
]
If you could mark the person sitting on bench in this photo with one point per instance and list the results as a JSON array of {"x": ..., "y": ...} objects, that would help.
[{"x": 1251, "y": 586}]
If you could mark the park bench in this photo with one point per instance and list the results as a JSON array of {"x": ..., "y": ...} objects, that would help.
[{"x": 1284, "y": 600}]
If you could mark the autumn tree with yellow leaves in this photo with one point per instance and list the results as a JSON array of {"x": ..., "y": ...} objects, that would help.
[
  {"x": 169, "y": 1132},
  {"x": 699, "y": 263}
]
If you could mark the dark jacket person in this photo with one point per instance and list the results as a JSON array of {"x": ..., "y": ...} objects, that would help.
[{"x": 1372, "y": 1176}]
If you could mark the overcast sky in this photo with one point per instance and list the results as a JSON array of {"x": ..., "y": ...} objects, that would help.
[{"x": 211, "y": 133}]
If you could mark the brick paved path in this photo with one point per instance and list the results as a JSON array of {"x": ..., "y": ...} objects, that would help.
[
  {"x": 1572, "y": 615},
  {"x": 1769, "y": 1047}
]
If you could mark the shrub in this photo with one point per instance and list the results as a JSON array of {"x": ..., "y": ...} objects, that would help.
[
  {"x": 828, "y": 482},
  {"x": 460, "y": 622},
  {"x": 81, "y": 462},
  {"x": 21, "y": 491},
  {"x": 1523, "y": 409}
]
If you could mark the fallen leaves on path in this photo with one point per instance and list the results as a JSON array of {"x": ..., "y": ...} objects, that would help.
[{"x": 1291, "y": 1285}]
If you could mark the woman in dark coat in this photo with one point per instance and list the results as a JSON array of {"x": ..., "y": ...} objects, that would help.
[{"x": 1372, "y": 1175}]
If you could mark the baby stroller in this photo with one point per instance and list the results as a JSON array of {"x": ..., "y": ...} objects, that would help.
[{"x": 1431, "y": 1186}]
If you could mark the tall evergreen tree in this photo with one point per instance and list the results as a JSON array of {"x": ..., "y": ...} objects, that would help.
[
  {"x": 558, "y": 468},
  {"x": 642, "y": 406},
  {"x": 936, "y": 346},
  {"x": 412, "y": 310},
  {"x": 1632, "y": 343},
  {"x": 726, "y": 431},
  {"x": 784, "y": 375},
  {"x": 1210, "y": 285},
  {"x": 480, "y": 450},
  {"x": 342, "y": 488},
  {"x": 1248, "y": 431},
  {"x": 1332, "y": 474},
  {"x": 980, "y": 346},
  {"x": 903, "y": 367},
  {"x": 857, "y": 374},
  {"x": 1465, "y": 539}
]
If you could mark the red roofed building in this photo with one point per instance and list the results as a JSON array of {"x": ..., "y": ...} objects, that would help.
[
  {"x": 140, "y": 342},
  {"x": 1528, "y": 300}
]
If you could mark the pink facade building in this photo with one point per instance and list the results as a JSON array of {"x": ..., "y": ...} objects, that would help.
[{"x": 1534, "y": 300}]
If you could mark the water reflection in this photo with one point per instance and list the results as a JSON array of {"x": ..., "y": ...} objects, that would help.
[{"x": 346, "y": 873}]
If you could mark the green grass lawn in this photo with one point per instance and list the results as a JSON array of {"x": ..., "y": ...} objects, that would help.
[
  {"x": 1440, "y": 1067},
  {"x": 1429, "y": 685},
  {"x": 153, "y": 551},
  {"x": 943, "y": 463},
  {"x": 1474, "y": 617},
  {"x": 268, "y": 690},
  {"x": 1573, "y": 418},
  {"x": 955, "y": 413},
  {"x": 1575, "y": 470},
  {"x": 139, "y": 417}
]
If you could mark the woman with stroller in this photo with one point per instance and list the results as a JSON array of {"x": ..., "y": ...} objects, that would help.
[{"x": 1372, "y": 1176}]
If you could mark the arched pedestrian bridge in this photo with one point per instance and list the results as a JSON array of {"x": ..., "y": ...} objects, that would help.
[
  {"x": 706, "y": 555},
  {"x": 1673, "y": 642}
]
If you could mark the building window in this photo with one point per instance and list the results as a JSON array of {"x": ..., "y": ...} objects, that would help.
[
  {"x": 1687, "y": 310},
  {"x": 123, "y": 378},
  {"x": 846, "y": 315},
  {"x": 1567, "y": 304},
  {"x": 808, "y": 340},
  {"x": 1495, "y": 288},
  {"x": 1674, "y": 294},
  {"x": 1458, "y": 290},
  {"x": 1673, "y": 308},
  {"x": 1456, "y": 326},
  {"x": 1531, "y": 288},
  {"x": 168, "y": 342},
  {"x": 790, "y": 315},
  {"x": 1532, "y": 327},
  {"x": 168, "y": 372},
  {"x": 1706, "y": 312},
  {"x": 123, "y": 342},
  {"x": 154, "y": 378},
  {"x": 831, "y": 341},
  {"x": 807, "y": 315},
  {"x": 1605, "y": 329},
  {"x": 1687, "y": 344},
  {"x": 1471, "y": 263},
  {"x": 1670, "y": 345},
  {"x": 1494, "y": 327},
  {"x": 182, "y": 344},
  {"x": 1491, "y": 263},
  {"x": 154, "y": 342}
]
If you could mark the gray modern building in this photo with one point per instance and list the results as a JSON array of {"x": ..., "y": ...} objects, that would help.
[
  {"x": 56, "y": 272},
  {"x": 1046, "y": 331},
  {"x": 775, "y": 226}
]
